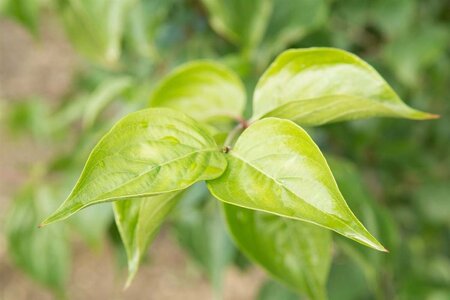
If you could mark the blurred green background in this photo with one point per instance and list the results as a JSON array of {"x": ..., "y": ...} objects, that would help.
[{"x": 70, "y": 68}]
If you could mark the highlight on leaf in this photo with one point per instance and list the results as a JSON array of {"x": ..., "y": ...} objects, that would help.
[
  {"x": 277, "y": 168},
  {"x": 150, "y": 152},
  {"x": 315, "y": 86},
  {"x": 204, "y": 90}
]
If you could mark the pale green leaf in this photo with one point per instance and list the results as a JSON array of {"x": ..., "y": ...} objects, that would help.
[
  {"x": 138, "y": 221},
  {"x": 315, "y": 86},
  {"x": 242, "y": 22},
  {"x": 149, "y": 152},
  {"x": 204, "y": 90},
  {"x": 276, "y": 167},
  {"x": 296, "y": 253}
]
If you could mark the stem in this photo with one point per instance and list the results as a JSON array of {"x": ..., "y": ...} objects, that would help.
[{"x": 232, "y": 136}]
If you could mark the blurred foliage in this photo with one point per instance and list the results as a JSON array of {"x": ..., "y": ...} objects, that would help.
[{"x": 399, "y": 182}]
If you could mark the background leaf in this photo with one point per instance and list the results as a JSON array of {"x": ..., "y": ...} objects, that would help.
[
  {"x": 200, "y": 229},
  {"x": 378, "y": 220},
  {"x": 92, "y": 224},
  {"x": 204, "y": 90},
  {"x": 242, "y": 22},
  {"x": 102, "y": 25},
  {"x": 141, "y": 156},
  {"x": 24, "y": 11},
  {"x": 108, "y": 91},
  {"x": 43, "y": 254},
  {"x": 320, "y": 85},
  {"x": 274, "y": 290},
  {"x": 276, "y": 167},
  {"x": 138, "y": 221},
  {"x": 289, "y": 22},
  {"x": 295, "y": 252}
]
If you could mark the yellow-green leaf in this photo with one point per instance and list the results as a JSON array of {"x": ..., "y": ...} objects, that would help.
[
  {"x": 138, "y": 221},
  {"x": 277, "y": 168},
  {"x": 204, "y": 90},
  {"x": 315, "y": 86},
  {"x": 296, "y": 253},
  {"x": 150, "y": 152}
]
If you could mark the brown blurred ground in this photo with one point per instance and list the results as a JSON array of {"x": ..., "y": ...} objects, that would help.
[{"x": 45, "y": 68}]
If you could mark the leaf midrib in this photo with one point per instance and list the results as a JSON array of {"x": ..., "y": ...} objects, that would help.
[{"x": 150, "y": 170}]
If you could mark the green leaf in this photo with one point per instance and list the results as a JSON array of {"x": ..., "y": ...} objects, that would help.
[
  {"x": 291, "y": 21},
  {"x": 242, "y": 22},
  {"x": 201, "y": 231},
  {"x": 138, "y": 221},
  {"x": 44, "y": 254},
  {"x": 410, "y": 54},
  {"x": 96, "y": 28},
  {"x": 296, "y": 253},
  {"x": 93, "y": 224},
  {"x": 150, "y": 152},
  {"x": 377, "y": 219},
  {"x": 431, "y": 202},
  {"x": 106, "y": 92},
  {"x": 24, "y": 11},
  {"x": 146, "y": 20},
  {"x": 204, "y": 90},
  {"x": 346, "y": 281},
  {"x": 276, "y": 167},
  {"x": 316, "y": 86},
  {"x": 273, "y": 290}
]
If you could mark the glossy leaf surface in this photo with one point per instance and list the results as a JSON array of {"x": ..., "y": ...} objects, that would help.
[
  {"x": 204, "y": 90},
  {"x": 138, "y": 221},
  {"x": 276, "y": 167},
  {"x": 294, "y": 252},
  {"x": 321, "y": 85},
  {"x": 149, "y": 152}
]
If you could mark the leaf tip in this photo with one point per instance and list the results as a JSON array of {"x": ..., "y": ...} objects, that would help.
[
  {"x": 378, "y": 246},
  {"x": 420, "y": 115},
  {"x": 130, "y": 278},
  {"x": 433, "y": 116}
]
